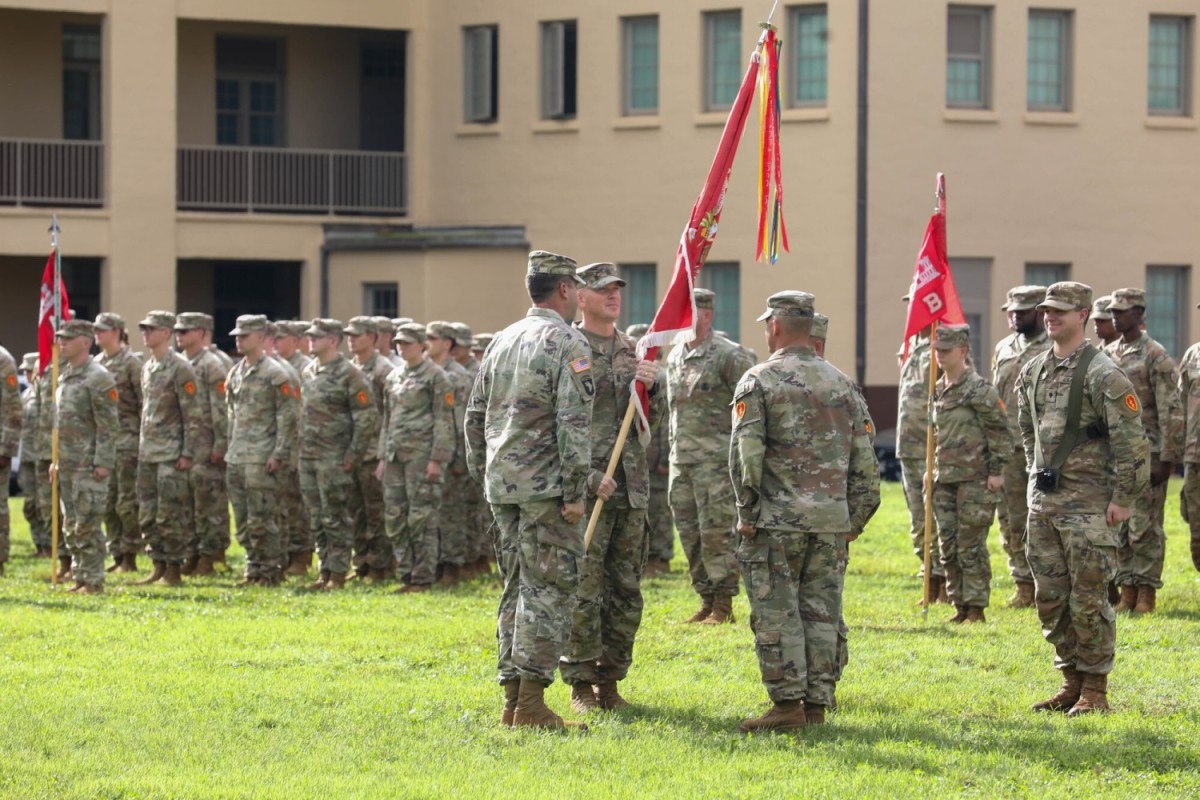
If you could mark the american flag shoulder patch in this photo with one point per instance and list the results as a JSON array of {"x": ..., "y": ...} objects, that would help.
[{"x": 581, "y": 365}]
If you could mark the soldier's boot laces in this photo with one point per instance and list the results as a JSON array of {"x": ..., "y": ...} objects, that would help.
[
  {"x": 1093, "y": 697},
  {"x": 171, "y": 575},
  {"x": 337, "y": 580},
  {"x": 706, "y": 607},
  {"x": 583, "y": 699},
  {"x": 204, "y": 566},
  {"x": 1129, "y": 598},
  {"x": 1068, "y": 693},
  {"x": 608, "y": 696},
  {"x": 960, "y": 617},
  {"x": 531, "y": 710},
  {"x": 814, "y": 714},
  {"x": 189, "y": 566},
  {"x": 974, "y": 614},
  {"x": 1022, "y": 597},
  {"x": 160, "y": 569},
  {"x": 322, "y": 579},
  {"x": 511, "y": 689},
  {"x": 1146, "y": 598},
  {"x": 786, "y": 715},
  {"x": 128, "y": 563},
  {"x": 722, "y": 611}
]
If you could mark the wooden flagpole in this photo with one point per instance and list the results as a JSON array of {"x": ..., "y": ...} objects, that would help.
[
  {"x": 930, "y": 442},
  {"x": 54, "y": 521},
  {"x": 613, "y": 460}
]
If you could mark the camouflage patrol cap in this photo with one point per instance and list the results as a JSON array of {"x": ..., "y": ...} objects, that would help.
[
  {"x": 291, "y": 327},
  {"x": 324, "y": 327},
  {"x": 108, "y": 321},
  {"x": 705, "y": 298},
  {"x": 462, "y": 333},
  {"x": 542, "y": 262},
  {"x": 191, "y": 321},
  {"x": 1067, "y": 296},
  {"x": 250, "y": 323},
  {"x": 1100, "y": 308},
  {"x": 209, "y": 323},
  {"x": 73, "y": 328},
  {"x": 1125, "y": 299},
  {"x": 29, "y": 362},
  {"x": 412, "y": 333},
  {"x": 482, "y": 340},
  {"x": 599, "y": 275},
  {"x": 820, "y": 326},
  {"x": 440, "y": 329},
  {"x": 158, "y": 319},
  {"x": 949, "y": 337},
  {"x": 789, "y": 304},
  {"x": 385, "y": 324},
  {"x": 637, "y": 331},
  {"x": 1023, "y": 298},
  {"x": 398, "y": 321},
  {"x": 360, "y": 325}
]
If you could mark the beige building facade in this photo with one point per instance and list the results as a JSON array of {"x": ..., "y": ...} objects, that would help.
[{"x": 318, "y": 157}]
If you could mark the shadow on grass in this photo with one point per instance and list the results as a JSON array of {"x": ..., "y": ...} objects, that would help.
[
  {"x": 54, "y": 602},
  {"x": 1179, "y": 613}
]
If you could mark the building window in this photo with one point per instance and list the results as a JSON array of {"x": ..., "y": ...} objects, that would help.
[
  {"x": 381, "y": 299},
  {"x": 725, "y": 280},
  {"x": 1170, "y": 66},
  {"x": 480, "y": 73},
  {"x": 81, "y": 81},
  {"x": 1166, "y": 307},
  {"x": 810, "y": 55},
  {"x": 722, "y": 59},
  {"x": 973, "y": 279},
  {"x": 639, "y": 299},
  {"x": 968, "y": 57},
  {"x": 559, "y": 64},
  {"x": 1046, "y": 274},
  {"x": 1048, "y": 77},
  {"x": 249, "y": 91},
  {"x": 639, "y": 45}
]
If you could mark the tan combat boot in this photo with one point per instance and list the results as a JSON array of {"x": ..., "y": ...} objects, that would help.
[
  {"x": 511, "y": 690},
  {"x": 722, "y": 611},
  {"x": 337, "y": 580},
  {"x": 608, "y": 697},
  {"x": 814, "y": 713},
  {"x": 1129, "y": 598},
  {"x": 189, "y": 566},
  {"x": 1068, "y": 693},
  {"x": 706, "y": 606},
  {"x": 786, "y": 715},
  {"x": 412, "y": 588},
  {"x": 974, "y": 614},
  {"x": 299, "y": 563},
  {"x": 583, "y": 699},
  {"x": 322, "y": 579},
  {"x": 64, "y": 568},
  {"x": 1022, "y": 597},
  {"x": 451, "y": 574},
  {"x": 1093, "y": 697},
  {"x": 959, "y": 617},
  {"x": 128, "y": 563},
  {"x": 118, "y": 560},
  {"x": 92, "y": 588},
  {"x": 531, "y": 710},
  {"x": 171, "y": 575},
  {"x": 160, "y": 569},
  {"x": 943, "y": 594},
  {"x": 1145, "y": 601},
  {"x": 204, "y": 566}
]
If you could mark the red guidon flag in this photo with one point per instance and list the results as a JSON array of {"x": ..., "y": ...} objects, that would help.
[
  {"x": 46, "y": 314},
  {"x": 932, "y": 295}
]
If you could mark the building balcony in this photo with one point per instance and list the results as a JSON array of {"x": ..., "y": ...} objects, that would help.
[{"x": 49, "y": 172}]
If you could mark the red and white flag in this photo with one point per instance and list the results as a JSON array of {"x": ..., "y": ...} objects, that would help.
[
  {"x": 46, "y": 314},
  {"x": 932, "y": 295}
]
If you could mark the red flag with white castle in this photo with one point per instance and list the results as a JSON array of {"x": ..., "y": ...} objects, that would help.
[
  {"x": 932, "y": 295},
  {"x": 46, "y": 313}
]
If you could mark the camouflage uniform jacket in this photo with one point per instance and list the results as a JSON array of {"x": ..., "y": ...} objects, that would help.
[
  {"x": 87, "y": 417},
  {"x": 971, "y": 430},
  {"x": 225, "y": 359},
  {"x": 658, "y": 451},
  {"x": 528, "y": 424},
  {"x": 614, "y": 365},
  {"x": 44, "y": 428},
  {"x": 376, "y": 370},
  {"x": 1110, "y": 402},
  {"x": 461, "y": 381},
  {"x": 1156, "y": 380},
  {"x": 1012, "y": 353},
  {"x": 418, "y": 415},
  {"x": 294, "y": 381},
  {"x": 10, "y": 406},
  {"x": 700, "y": 384},
  {"x": 800, "y": 456},
  {"x": 171, "y": 414},
  {"x": 126, "y": 368},
  {"x": 1189, "y": 390},
  {"x": 262, "y": 412},
  {"x": 29, "y": 427},
  {"x": 913, "y": 424},
  {"x": 210, "y": 398},
  {"x": 337, "y": 414}
]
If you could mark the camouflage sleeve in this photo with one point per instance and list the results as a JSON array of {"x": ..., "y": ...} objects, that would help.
[
  {"x": 1024, "y": 417},
  {"x": 383, "y": 402},
  {"x": 862, "y": 479},
  {"x": 363, "y": 416},
  {"x": 994, "y": 421},
  {"x": 737, "y": 362},
  {"x": 1130, "y": 448},
  {"x": 216, "y": 401},
  {"x": 473, "y": 431},
  {"x": 11, "y": 415},
  {"x": 1169, "y": 402},
  {"x": 573, "y": 417},
  {"x": 747, "y": 446},
  {"x": 189, "y": 408},
  {"x": 443, "y": 419},
  {"x": 136, "y": 364},
  {"x": 462, "y": 390},
  {"x": 104, "y": 412},
  {"x": 863, "y": 414},
  {"x": 285, "y": 417}
]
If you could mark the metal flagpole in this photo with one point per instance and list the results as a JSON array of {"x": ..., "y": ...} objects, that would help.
[{"x": 54, "y": 520}]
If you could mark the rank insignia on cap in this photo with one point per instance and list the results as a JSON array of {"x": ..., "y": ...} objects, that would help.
[
  {"x": 580, "y": 365},
  {"x": 1131, "y": 403},
  {"x": 449, "y": 398},
  {"x": 740, "y": 409},
  {"x": 189, "y": 388}
]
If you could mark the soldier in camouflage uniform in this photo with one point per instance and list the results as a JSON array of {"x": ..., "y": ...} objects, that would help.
[
  {"x": 1155, "y": 379},
  {"x": 527, "y": 433},
  {"x": 262, "y": 421},
  {"x": 1027, "y": 340},
  {"x": 459, "y": 512},
  {"x": 1074, "y": 522},
  {"x": 43, "y": 445},
  {"x": 481, "y": 548},
  {"x": 701, "y": 377},
  {"x": 28, "y": 476},
  {"x": 11, "y": 419},
  {"x": 87, "y": 429},
  {"x": 294, "y": 524},
  {"x": 206, "y": 478},
  {"x": 479, "y": 345},
  {"x": 973, "y": 444},
  {"x": 372, "y": 550},
  {"x": 337, "y": 417},
  {"x": 226, "y": 362},
  {"x": 1102, "y": 319},
  {"x": 660, "y": 526},
  {"x": 1189, "y": 495},
  {"x": 416, "y": 442},
  {"x": 608, "y": 609},
  {"x": 912, "y": 429},
  {"x": 171, "y": 427},
  {"x": 806, "y": 482},
  {"x": 121, "y": 512},
  {"x": 386, "y": 328}
]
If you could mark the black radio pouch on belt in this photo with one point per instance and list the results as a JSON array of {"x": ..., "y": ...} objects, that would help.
[{"x": 1046, "y": 476}]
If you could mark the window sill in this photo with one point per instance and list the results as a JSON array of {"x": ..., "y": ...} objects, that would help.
[
  {"x": 981, "y": 115},
  {"x": 1051, "y": 118},
  {"x": 711, "y": 119},
  {"x": 816, "y": 114},
  {"x": 478, "y": 129},
  {"x": 637, "y": 123},
  {"x": 1171, "y": 123},
  {"x": 556, "y": 126}
]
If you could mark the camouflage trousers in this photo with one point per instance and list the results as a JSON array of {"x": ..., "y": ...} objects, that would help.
[
  {"x": 84, "y": 499},
  {"x": 164, "y": 510},
  {"x": 963, "y": 512},
  {"x": 703, "y": 505},
  {"x": 295, "y": 527},
  {"x": 210, "y": 510},
  {"x": 121, "y": 509},
  {"x": 1189, "y": 507},
  {"x": 913, "y": 473},
  {"x": 1142, "y": 553},
  {"x": 794, "y": 581},
  {"x": 371, "y": 546},
  {"x": 659, "y": 523},
  {"x": 1013, "y": 512},
  {"x": 608, "y": 610},
  {"x": 456, "y": 521},
  {"x": 539, "y": 557},
  {"x": 5, "y": 521},
  {"x": 1074, "y": 558},
  {"x": 254, "y": 493},
  {"x": 45, "y": 504},
  {"x": 843, "y": 632},
  {"x": 482, "y": 541},
  {"x": 326, "y": 489},
  {"x": 39, "y": 526},
  {"x": 411, "y": 503}
]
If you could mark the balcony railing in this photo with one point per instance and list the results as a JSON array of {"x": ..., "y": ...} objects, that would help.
[
  {"x": 51, "y": 172},
  {"x": 281, "y": 180}
]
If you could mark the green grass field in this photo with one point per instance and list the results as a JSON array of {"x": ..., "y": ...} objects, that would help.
[{"x": 213, "y": 691}]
